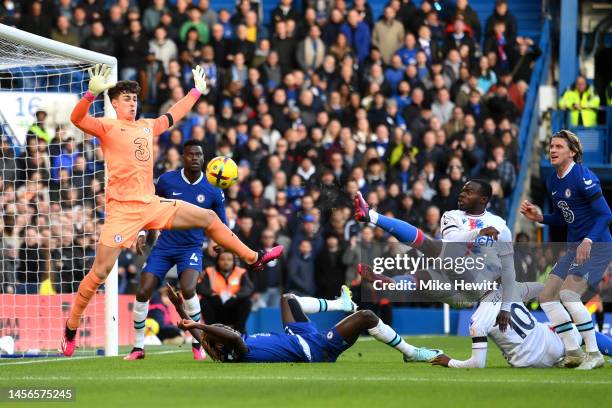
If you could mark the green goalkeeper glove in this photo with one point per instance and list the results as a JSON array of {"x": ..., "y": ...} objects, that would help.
[
  {"x": 97, "y": 79},
  {"x": 199, "y": 77}
]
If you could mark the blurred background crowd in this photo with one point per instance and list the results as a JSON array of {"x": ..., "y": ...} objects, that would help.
[{"x": 322, "y": 101}]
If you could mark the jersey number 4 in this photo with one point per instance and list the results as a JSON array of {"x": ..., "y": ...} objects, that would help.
[{"x": 521, "y": 320}]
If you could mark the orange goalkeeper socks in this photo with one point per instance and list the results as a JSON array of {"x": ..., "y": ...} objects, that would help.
[
  {"x": 224, "y": 236},
  {"x": 87, "y": 289}
]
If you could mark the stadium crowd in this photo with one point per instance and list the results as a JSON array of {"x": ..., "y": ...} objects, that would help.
[{"x": 321, "y": 102}]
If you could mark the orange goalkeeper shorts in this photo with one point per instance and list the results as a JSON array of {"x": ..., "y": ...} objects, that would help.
[{"x": 125, "y": 219}]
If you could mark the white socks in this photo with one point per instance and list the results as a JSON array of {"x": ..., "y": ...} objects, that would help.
[
  {"x": 562, "y": 323},
  {"x": 373, "y": 216},
  {"x": 192, "y": 308},
  {"x": 582, "y": 318},
  {"x": 141, "y": 309},
  {"x": 387, "y": 335},
  {"x": 312, "y": 305}
]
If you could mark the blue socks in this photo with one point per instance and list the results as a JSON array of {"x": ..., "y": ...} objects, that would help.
[
  {"x": 604, "y": 343},
  {"x": 405, "y": 233}
]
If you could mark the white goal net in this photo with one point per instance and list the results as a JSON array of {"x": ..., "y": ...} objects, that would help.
[{"x": 51, "y": 197}]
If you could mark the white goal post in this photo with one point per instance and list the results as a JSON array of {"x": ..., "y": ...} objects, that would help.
[{"x": 37, "y": 73}]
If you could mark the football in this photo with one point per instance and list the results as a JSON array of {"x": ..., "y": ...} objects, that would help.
[{"x": 222, "y": 172}]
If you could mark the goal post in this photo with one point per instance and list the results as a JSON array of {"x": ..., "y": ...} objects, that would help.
[{"x": 50, "y": 209}]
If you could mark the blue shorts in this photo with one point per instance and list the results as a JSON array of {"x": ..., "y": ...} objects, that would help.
[
  {"x": 325, "y": 347},
  {"x": 592, "y": 270},
  {"x": 160, "y": 261}
]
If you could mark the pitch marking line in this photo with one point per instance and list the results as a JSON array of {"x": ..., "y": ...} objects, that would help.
[
  {"x": 308, "y": 378},
  {"x": 60, "y": 359}
]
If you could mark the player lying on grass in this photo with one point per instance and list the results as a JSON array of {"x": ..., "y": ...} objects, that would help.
[
  {"x": 301, "y": 341},
  {"x": 580, "y": 206},
  {"x": 182, "y": 249},
  {"x": 526, "y": 343},
  {"x": 477, "y": 232},
  {"x": 131, "y": 203}
]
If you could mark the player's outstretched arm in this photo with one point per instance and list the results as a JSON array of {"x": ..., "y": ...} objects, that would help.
[
  {"x": 477, "y": 360},
  {"x": 180, "y": 109},
  {"x": 219, "y": 334},
  {"x": 98, "y": 83}
]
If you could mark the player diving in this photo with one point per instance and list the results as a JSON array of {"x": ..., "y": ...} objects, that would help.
[{"x": 131, "y": 202}]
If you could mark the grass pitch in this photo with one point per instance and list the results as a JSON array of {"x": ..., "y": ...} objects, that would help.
[{"x": 369, "y": 374}]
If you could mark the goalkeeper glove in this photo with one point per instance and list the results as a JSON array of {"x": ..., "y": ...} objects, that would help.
[
  {"x": 199, "y": 77},
  {"x": 97, "y": 79}
]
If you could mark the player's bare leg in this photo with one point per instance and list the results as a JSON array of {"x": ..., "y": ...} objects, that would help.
[
  {"x": 190, "y": 216},
  {"x": 352, "y": 326},
  {"x": 571, "y": 295},
  {"x": 103, "y": 264},
  {"x": 146, "y": 287},
  {"x": 561, "y": 321},
  {"x": 189, "y": 280}
]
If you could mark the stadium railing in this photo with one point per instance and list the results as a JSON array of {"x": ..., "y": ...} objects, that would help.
[{"x": 529, "y": 121}]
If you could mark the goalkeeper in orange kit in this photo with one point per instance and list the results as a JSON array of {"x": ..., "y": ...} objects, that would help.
[{"x": 131, "y": 203}]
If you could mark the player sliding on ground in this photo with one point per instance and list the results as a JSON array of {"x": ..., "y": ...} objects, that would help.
[
  {"x": 526, "y": 343},
  {"x": 180, "y": 248},
  {"x": 301, "y": 342},
  {"x": 131, "y": 203},
  {"x": 578, "y": 204},
  {"x": 478, "y": 232}
]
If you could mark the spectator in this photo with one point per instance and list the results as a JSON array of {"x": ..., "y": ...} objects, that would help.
[
  {"x": 470, "y": 18},
  {"x": 388, "y": 34},
  {"x": 163, "y": 47},
  {"x": 300, "y": 275},
  {"x": 133, "y": 50},
  {"x": 35, "y": 21},
  {"x": 225, "y": 291},
  {"x": 501, "y": 13},
  {"x": 98, "y": 41},
  {"x": 284, "y": 11},
  {"x": 269, "y": 282},
  {"x": 582, "y": 102},
  {"x": 64, "y": 33},
  {"x": 443, "y": 107},
  {"x": 79, "y": 23},
  {"x": 152, "y": 15},
  {"x": 311, "y": 51},
  {"x": 357, "y": 34},
  {"x": 329, "y": 269},
  {"x": 195, "y": 21}
]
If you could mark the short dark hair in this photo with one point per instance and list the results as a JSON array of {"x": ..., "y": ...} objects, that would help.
[
  {"x": 485, "y": 188},
  {"x": 123, "y": 87},
  {"x": 193, "y": 142}
]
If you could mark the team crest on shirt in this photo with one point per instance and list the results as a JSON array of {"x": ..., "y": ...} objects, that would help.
[
  {"x": 568, "y": 193},
  {"x": 118, "y": 238},
  {"x": 146, "y": 130},
  {"x": 200, "y": 198},
  {"x": 330, "y": 335}
]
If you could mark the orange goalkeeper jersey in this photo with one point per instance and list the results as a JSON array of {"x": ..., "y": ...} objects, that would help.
[{"x": 128, "y": 148}]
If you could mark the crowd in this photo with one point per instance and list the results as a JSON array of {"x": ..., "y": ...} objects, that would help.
[{"x": 321, "y": 102}]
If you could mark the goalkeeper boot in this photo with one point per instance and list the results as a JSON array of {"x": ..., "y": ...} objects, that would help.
[
  {"x": 573, "y": 358},
  {"x": 346, "y": 298},
  {"x": 361, "y": 208},
  {"x": 422, "y": 354},
  {"x": 593, "y": 359},
  {"x": 264, "y": 257},
  {"x": 135, "y": 354},
  {"x": 198, "y": 352},
  {"x": 68, "y": 344}
]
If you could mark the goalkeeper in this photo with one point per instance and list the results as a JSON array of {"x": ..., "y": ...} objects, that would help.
[{"x": 131, "y": 203}]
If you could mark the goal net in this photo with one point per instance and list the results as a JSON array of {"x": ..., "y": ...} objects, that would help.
[{"x": 51, "y": 198}]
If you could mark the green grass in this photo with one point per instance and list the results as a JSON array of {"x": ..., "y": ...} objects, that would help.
[{"x": 369, "y": 374}]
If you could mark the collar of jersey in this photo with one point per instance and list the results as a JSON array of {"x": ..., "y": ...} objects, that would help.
[
  {"x": 571, "y": 166},
  {"x": 187, "y": 180},
  {"x": 476, "y": 216}
]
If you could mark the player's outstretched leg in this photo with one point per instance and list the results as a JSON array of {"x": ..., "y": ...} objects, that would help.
[
  {"x": 148, "y": 283},
  {"x": 190, "y": 216},
  {"x": 103, "y": 264},
  {"x": 189, "y": 280},
  {"x": 351, "y": 327},
  {"x": 404, "y": 232},
  {"x": 314, "y": 305},
  {"x": 570, "y": 295}
]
